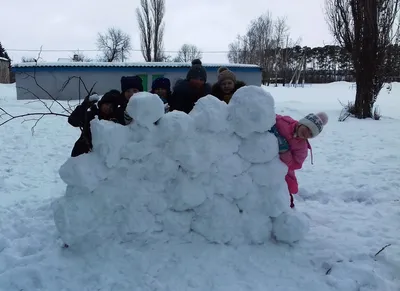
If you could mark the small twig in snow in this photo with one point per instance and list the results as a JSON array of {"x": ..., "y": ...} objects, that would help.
[
  {"x": 328, "y": 271},
  {"x": 382, "y": 249}
]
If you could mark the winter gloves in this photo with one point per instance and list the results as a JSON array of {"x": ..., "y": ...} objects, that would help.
[
  {"x": 166, "y": 108},
  {"x": 282, "y": 142},
  {"x": 127, "y": 118},
  {"x": 94, "y": 97}
]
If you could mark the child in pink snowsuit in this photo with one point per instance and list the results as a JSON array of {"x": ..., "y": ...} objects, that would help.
[{"x": 293, "y": 142}]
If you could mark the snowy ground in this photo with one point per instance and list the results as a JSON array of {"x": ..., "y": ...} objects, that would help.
[{"x": 351, "y": 195}]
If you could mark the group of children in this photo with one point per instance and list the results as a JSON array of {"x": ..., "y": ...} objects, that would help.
[{"x": 292, "y": 135}]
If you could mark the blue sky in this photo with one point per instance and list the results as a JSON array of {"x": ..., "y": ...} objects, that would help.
[{"x": 209, "y": 24}]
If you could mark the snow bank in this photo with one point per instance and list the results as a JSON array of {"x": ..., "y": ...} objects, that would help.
[{"x": 214, "y": 173}]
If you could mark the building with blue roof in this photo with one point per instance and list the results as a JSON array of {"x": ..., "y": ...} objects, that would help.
[{"x": 70, "y": 80}]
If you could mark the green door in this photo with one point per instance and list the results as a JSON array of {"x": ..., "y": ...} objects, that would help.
[
  {"x": 145, "y": 82},
  {"x": 156, "y": 76},
  {"x": 153, "y": 77}
]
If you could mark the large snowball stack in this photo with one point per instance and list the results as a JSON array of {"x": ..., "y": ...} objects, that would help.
[
  {"x": 251, "y": 109},
  {"x": 145, "y": 108},
  {"x": 211, "y": 114},
  {"x": 214, "y": 172}
]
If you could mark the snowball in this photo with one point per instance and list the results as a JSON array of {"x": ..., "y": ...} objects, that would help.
[
  {"x": 271, "y": 174},
  {"x": 85, "y": 171},
  {"x": 186, "y": 193},
  {"x": 252, "y": 224},
  {"x": 174, "y": 125},
  {"x": 77, "y": 216},
  {"x": 259, "y": 148},
  {"x": 251, "y": 109},
  {"x": 188, "y": 173},
  {"x": 210, "y": 113},
  {"x": 110, "y": 147},
  {"x": 290, "y": 227},
  {"x": 145, "y": 108},
  {"x": 177, "y": 223},
  {"x": 217, "y": 220}
]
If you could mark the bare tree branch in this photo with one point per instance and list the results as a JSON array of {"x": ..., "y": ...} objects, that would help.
[
  {"x": 12, "y": 117},
  {"x": 51, "y": 97},
  {"x": 49, "y": 112},
  {"x": 81, "y": 82}
]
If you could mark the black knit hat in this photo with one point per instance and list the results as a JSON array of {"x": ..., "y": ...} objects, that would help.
[
  {"x": 110, "y": 97},
  {"x": 197, "y": 71},
  {"x": 161, "y": 83},
  {"x": 131, "y": 82}
]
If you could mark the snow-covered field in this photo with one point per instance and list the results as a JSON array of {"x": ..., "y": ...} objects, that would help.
[{"x": 350, "y": 195}]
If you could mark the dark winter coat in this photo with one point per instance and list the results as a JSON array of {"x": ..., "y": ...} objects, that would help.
[
  {"x": 217, "y": 92},
  {"x": 184, "y": 96},
  {"x": 81, "y": 117}
]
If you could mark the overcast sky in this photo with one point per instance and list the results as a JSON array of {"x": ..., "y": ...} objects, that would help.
[{"x": 209, "y": 24}]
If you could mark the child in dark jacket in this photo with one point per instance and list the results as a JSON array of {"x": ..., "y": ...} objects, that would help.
[
  {"x": 107, "y": 109},
  {"x": 162, "y": 87},
  {"x": 226, "y": 85},
  {"x": 186, "y": 92},
  {"x": 129, "y": 86}
]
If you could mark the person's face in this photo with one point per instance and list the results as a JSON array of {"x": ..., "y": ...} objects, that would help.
[
  {"x": 161, "y": 92},
  {"x": 304, "y": 132},
  {"x": 106, "y": 109},
  {"x": 227, "y": 86},
  {"x": 129, "y": 93},
  {"x": 197, "y": 82}
]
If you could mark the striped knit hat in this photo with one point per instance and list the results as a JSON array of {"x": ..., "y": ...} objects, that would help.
[{"x": 315, "y": 122}]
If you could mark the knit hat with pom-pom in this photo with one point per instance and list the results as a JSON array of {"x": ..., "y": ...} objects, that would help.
[
  {"x": 197, "y": 71},
  {"x": 315, "y": 122},
  {"x": 225, "y": 74}
]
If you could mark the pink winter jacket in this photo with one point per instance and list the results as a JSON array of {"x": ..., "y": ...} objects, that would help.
[{"x": 297, "y": 153}]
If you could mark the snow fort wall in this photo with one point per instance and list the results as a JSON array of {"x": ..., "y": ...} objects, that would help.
[{"x": 214, "y": 173}]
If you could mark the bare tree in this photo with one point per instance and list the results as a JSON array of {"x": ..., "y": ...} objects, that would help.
[
  {"x": 28, "y": 60},
  {"x": 366, "y": 29},
  {"x": 114, "y": 44},
  {"x": 187, "y": 53},
  {"x": 282, "y": 41},
  {"x": 78, "y": 56},
  {"x": 150, "y": 17},
  {"x": 280, "y": 35},
  {"x": 146, "y": 29},
  {"x": 236, "y": 51},
  {"x": 261, "y": 44},
  {"x": 158, "y": 11}
]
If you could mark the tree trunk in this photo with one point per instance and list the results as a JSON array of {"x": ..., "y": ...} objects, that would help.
[{"x": 364, "y": 96}]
